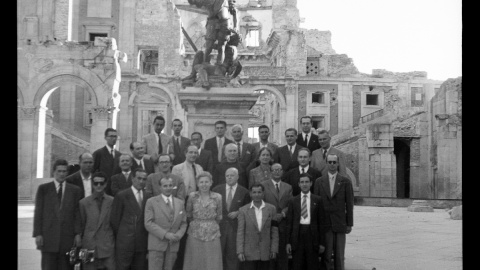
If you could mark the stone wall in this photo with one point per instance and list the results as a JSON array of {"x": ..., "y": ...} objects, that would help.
[
  {"x": 61, "y": 20},
  {"x": 319, "y": 40}
]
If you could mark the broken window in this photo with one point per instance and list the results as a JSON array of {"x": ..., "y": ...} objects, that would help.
[
  {"x": 318, "y": 97},
  {"x": 149, "y": 61},
  {"x": 88, "y": 118},
  {"x": 252, "y": 38},
  {"x": 318, "y": 122},
  {"x": 313, "y": 64},
  {"x": 92, "y": 36},
  {"x": 372, "y": 99},
  {"x": 417, "y": 96}
]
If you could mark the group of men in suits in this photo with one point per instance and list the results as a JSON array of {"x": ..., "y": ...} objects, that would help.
[{"x": 162, "y": 167}]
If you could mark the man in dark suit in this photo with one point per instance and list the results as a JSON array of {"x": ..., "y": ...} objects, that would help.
[
  {"x": 216, "y": 143},
  {"x": 127, "y": 220},
  {"x": 231, "y": 161},
  {"x": 307, "y": 138},
  {"x": 319, "y": 156},
  {"x": 122, "y": 180},
  {"x": 287, "y": 154},
  {"x": 140, "y": 159},
  {"x": 234, "y": 196},
  {"x": 179, "y": 142},
  {"x": 204, "y": 156},
  {"x": 293, "y": 175},
  {"x": 106, "y": 158},
  {"x": 97, "y": 233},
  {"x": 56, "y": 220},
  {"x": 336, "y": 192},
  {"x": 246, "y": 151},
  {"x": 305, "y": 237},
  {"x": 264, "y": 133},
  {"x": 278, "y": 193},
  {"x": 83, "y": 178}
]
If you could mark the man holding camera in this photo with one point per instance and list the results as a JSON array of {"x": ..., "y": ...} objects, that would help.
[{"x": 97, "y": 233}]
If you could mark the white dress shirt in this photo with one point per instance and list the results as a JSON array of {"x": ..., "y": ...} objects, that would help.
[
  {"x": 189, "y": 179},
  {"x": 57, "y": 187},
  {"x": 305, "y": 221},
  {"x": 258, "y": 213},
  {"x": 87, "y": 184},
  {"x": 170, "y": 198},
  {"x": 136, "y": 192},
  {"x": 140, "y": 162},
  {"x": 305, "y": 169},
  {"x": 331, "y": 179},
  {"x": 291, "y": 148},
  {"x": 234, "y": 188},
  {"x": 308, "y": 138},
  {"x": 110, "y": 150}
]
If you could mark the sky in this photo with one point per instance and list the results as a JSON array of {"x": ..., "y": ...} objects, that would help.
[{"x": 396, "y": 35}]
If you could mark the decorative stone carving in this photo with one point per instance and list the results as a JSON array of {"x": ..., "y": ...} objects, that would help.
[
  {"x": 264, "y": 71},
  {"x": 42, "y": 65},
  {"x": 101, "y": 112},
  {"x": 28, "y": 112},
  {"x": 291, "y": 87}
]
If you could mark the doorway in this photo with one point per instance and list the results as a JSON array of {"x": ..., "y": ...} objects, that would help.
[{"x": 401, "y": 149}]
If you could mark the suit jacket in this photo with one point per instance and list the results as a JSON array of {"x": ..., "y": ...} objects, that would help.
[
  {"x": 205, "y": 159},
  {"x": 320, "y": 164},
  {"x": 147, "y": 162},
  {"x": 104, "y": 162},
  {"x": 159, "y": 221},
  {"x": 221, "y": 168},
  {"x": 283, "y": 156},
  {"x": 248, "y": 155},
  {"x": 152, "y": 187},
  {"x": 270, "y": 146},
  {"x": 97, "y": 231},
  {"x": 76, "y": 179},
  {"x": 257, "y": 244},
  {"x": 313, "y": 143},
  {"x": 293, "y": 176},
  {"x": 317, "y": 215},
  {"x": 179, "y": 153},
  {"x": 182, "y": 171},
  {"x": 339, "y": 207},
  {"x": 240, "y": 198},
  {"x": 279, "y": 200},
  {"x": 151, "y": 146},
  {"x": 211, "y": 145},
  {"x": 118, "y": 182},
  {"x": 127, "y": 221},
  {"x": 58, "y": 224}
]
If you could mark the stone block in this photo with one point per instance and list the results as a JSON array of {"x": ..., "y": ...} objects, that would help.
[
  {"x": 456, "y": 213},
  {"x": 420, "y": 206}
]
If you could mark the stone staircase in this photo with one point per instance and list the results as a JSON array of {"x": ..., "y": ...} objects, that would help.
[{"x": 72, "y": 139}]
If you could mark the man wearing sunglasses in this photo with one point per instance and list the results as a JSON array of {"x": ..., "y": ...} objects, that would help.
[
  {"x": 319, "y": 156},
  {"x": 97, "y": 233},
  {"x": 336, "y": 192}
]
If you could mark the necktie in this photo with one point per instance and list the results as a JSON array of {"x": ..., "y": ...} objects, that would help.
[
  {"x": 139, "y": 198},
  {"x": 113, "y": 153},
  {"x": 220, "y": 145},
  {"x": 306, "y": 139},
  {"x": 59, "y": 194},
  {"x": 332, "y": 184},
  {"x": 194, "y": 171},
  {"x": 170, "y": 206},
  {"x": 176, "y": 148},
  {"x": 141, "y": 164},
  {"x": 229, "y": 199},
  {"x": 304, "y": 207},
  {"x": 276, "y": 187},
  {"x": 290, "y": 150},
  {"x": 324, "y": 153},
  {"x": 303, "y": 170},
  {"x": 126, "y": 176},
  {"x": 239, "y": 150},
  {"x": 160, "y": 147}
]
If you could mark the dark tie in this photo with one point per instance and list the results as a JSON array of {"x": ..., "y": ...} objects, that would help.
[
  {"x": 113, "y": 153},
  {"x": 276, "y": 187},
  {"x": 176, "y": 150},
  {"x": 239, "y": 150},
  {"x": 194, "y": 171},
  {"x": 59, "y": 194},
  {"x": 306, "y": 139},
  {"x": 290, "y": 150},
  {"x": 229, "y": 198},
  {"x": 139, "y": 198},
  {"x": 303, "y": 170},
  {"x": 160, "y": 148},
  {"x": 304, "y": 207},
  {"x": 324, "y": 153}
]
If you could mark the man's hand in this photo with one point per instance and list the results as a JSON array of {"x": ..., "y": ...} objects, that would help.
[
  {"x": 39, "y": 241},
  {"x": 279, "y": 217},
  {"x": 321, "y": 249},
  {"x": 78, "y": 240},
  {"x": 170, "y": 237},
  {"x": 349, "y": 229},
  {"x": 233, "y": 215},
  {"x": 289, "y": 249},
  {"x": 241, "y": 257},
  {"x": 273, "y": 255}
]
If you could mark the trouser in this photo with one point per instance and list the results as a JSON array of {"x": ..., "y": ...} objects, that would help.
[
  {"x": 281, "y": 262},
  {"x": 100, "y": 263},
  {"x": 228, "y": 241},
  {"x": 55, "y": 261},
  {"x": 130, "y": 260},
  {"x": 256, "y": 265},
  {"x": 335, "y": 243},
  {"x": 161, "y": 260},
  {"x": 305, "y": 256}
]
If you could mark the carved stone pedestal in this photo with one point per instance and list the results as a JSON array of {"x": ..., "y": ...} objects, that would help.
[
  {"x": 205, "y": 107},
  {"x": 420, "y": 206}
]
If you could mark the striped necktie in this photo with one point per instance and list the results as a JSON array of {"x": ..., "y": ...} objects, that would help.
[{"x": 304, "y": 207}]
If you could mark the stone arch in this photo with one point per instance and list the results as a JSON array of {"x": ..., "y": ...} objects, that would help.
[{"x": 171, "y": 96}]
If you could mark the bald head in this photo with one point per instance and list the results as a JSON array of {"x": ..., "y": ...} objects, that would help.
[
  {"x": 86, "y": 163},
  {"x": 231, "y": 152},
  {"x": 231, "y": 176}
]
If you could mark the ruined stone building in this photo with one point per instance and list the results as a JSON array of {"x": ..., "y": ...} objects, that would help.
[{"x": 396, "y": 128}]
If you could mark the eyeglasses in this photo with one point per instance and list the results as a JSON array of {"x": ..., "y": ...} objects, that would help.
[
  {"x": 332, "y": 162},
  {"x": 277, "y": 170},
  {"x": 98, "y": 183},
  {"x": 112, "y": 136}
]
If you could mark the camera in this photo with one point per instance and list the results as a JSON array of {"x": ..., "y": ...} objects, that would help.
[{"x": 83, "y": 255}]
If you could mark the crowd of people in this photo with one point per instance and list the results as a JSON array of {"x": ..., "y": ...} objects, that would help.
[{"x": 172, "y": 204}]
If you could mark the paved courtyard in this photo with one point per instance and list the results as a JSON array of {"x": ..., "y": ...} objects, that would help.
[{"x": 387, "y": 238}]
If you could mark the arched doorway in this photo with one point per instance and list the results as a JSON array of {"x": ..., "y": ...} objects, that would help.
[{"x": 401, "y": 150}]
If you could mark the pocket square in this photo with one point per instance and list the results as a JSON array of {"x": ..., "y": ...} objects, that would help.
[
  {"x": 248, "y": 152},
  {"x": 181, "y": 212},
  {"x": 175, "y": 187}
]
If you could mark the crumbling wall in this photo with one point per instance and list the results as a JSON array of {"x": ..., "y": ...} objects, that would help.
[
  {"x": 382, "y": 73},
  {"x": 319, "y": 40},
  {"x": 285, "y": 14},
  {"x": 338, "y": 65}
]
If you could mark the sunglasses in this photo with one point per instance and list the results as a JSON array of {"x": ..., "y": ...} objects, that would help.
[
  {"x": 332, "y": 162},
  {"x": 98, "y": 183}
]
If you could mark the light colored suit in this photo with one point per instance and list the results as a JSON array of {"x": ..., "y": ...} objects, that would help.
[
  {"x": 151, "y": 146},
  {"x": 97, "y": 232},
  {"x": 320, "y": 164},
  {"x": 257, "y": 244},
  {"x": 159, "y": 221},
  {"x": 183, "y": 171},
  {"x": 152, "y": 187}
]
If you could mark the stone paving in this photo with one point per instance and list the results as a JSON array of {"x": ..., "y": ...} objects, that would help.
[{"x": 389, "y": 238}]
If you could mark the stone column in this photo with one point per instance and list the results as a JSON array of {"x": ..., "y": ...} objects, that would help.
[
  {"x": 124, "y": 118},
  {"x": 67, "y": 107},
  {"x": 291, "y": 98},
  {"x": 126, "y": 37},
  {"x": 48, "y": 145},
  {"x": 27, "y": 150},
  {"x": 101, "y": 117},
  {"x": 345, "y": 108}
]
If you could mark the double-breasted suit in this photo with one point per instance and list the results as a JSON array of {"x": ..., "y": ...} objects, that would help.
[
  {"x": 257, "y": 244},
  {"x": 160, "y": 220},
  {"x": 97, "y": 232},
  {"x": 127, "y": 221},
  {"x": 119, "y": 182},
  {"x": 103, "y": 161},
  {"x": 320, "y": 163},
  {"x": 313, "y": 143},
  {"x": 247, "y": 156},
  {"x": 286, "y": 158},
  {"x": 57, "y": 223},
  {"x": 338, "y": 215}
]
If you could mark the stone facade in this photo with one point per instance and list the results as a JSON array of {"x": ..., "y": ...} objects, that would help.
[{"x": 64, "y": 92}]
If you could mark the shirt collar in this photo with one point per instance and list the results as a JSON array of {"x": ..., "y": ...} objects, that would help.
[
  {"x": 234, "y": 187},
  {"x": 306, "y": 168},
  {"x": 138, "y": 160},
  {"x": 261, "y": 206},
  {"x": 129, "y": 171},
  {"x": 308, "y": 194},
  {"x": 109, "y": 148},
  {"x": 83, "y": 176},
  {"x": 330, "y": 175},
  {"x": 135, "y": 191},
  {"x": 165, "y": 197},
  {"x": 57, "y": 183},
  {"x": 240, "y": 142},
  {"x": 274, "y": 183},
  {"x": 98, "y": 196},
  {"x": 309, "y": 134}
]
